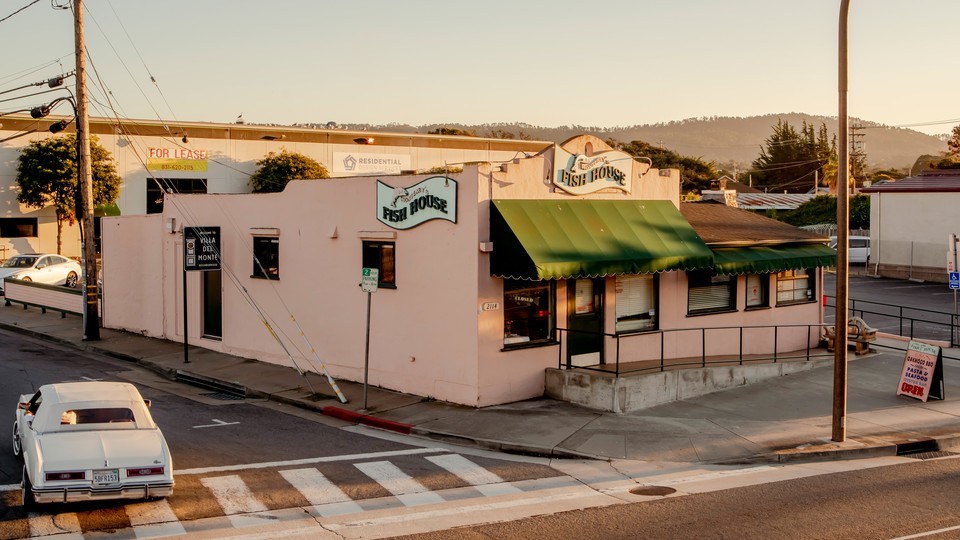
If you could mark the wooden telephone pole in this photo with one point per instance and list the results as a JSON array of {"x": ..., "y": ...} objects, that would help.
[{"x": 91, "y": 315}]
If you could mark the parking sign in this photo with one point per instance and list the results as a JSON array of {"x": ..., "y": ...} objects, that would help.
[{"x": 955, "y": 280}]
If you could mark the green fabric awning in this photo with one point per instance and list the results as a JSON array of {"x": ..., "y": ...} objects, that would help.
[
  {"x": 559, "y": 239},
  {"x": 771, "y": 259}
]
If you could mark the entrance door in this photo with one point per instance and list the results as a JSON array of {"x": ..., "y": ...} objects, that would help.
[
  {"x": 212, "y": 304},
  {"x": 584, "y": 321}
]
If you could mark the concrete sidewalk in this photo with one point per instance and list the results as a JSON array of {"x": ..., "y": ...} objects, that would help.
[{"x": 780, "y": 420}]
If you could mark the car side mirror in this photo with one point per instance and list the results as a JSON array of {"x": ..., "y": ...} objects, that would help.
[{"x": 147, "y": 402}]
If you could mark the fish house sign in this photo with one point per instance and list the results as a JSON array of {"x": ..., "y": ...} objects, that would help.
[{"x": 405, "y": 208}]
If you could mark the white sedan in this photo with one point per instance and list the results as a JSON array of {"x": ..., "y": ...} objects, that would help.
[
  {"x": 48, "y": 268},
  {"x": 84, "y": 441}
]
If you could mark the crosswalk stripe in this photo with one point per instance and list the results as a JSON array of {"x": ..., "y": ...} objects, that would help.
[
  {"x": 486, "y": 482},
  {"x": 58, "y": 524},
  {"x": 307, "y": 461},
  {"x": 154, "y": 520},
  {"x": 403, "y": 487},
  {"x": 327, "y": 498},
  {"x": 235, "y": 498}
]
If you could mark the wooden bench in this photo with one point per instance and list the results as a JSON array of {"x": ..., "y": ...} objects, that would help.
[{"x": 859, "y": 334}]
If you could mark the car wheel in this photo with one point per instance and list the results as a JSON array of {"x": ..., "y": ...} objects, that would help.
[
  {"x": 71, "y": 280},
  {"x": 26, "y": 492},
  {"x": 16, "y": 441},
  {"x": 26, "y": 278}
]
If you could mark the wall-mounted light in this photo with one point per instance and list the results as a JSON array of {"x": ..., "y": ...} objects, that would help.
[
  {"x": 364, "y": 140},
  {"x": 185, "y": 139}
]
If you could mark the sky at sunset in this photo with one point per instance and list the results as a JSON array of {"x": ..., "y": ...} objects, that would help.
[{"x": 547, "y": 63}]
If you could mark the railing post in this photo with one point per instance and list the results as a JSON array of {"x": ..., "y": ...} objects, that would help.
[
  {"x": 703, "y": 347},
  {"x": 741, "y": 345},
  {"x": 808, "y": 343},
  {"x": 661, "y": 350},
  {"x": 618, "y": 354},
  {"x": 775, "y": 342}
]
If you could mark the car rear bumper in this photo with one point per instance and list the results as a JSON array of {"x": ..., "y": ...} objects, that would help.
[{"x": 127, "y": 491}]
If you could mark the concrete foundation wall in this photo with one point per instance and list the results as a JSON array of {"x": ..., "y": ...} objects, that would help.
[{"x": 604, "y": 392}]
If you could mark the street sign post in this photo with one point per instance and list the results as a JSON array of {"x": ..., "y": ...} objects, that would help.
[
  {"x": 369, "y": 280},
  {"x": 201, "y": 252},
  {"x": 954, "y": 280}
]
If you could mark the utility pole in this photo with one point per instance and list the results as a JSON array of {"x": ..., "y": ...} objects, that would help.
[
  {"x": 839, "y": 433},
  {"x": 857, "y": 155},
  {"x": 91, "y": 316}
]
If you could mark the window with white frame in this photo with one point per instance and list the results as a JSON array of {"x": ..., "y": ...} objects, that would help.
[
  {"x": 636, "y": 303},
  {"x": 796, "y": 287},
  {"x": 710, "y": 293}
]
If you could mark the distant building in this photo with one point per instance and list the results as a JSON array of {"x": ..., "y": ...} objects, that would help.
[{"x": 910, "y": 221}]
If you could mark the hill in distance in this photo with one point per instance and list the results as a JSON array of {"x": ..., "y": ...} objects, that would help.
[{"x": 727, "y": 141}]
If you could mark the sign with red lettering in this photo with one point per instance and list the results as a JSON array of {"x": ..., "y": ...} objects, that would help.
[
  {"x": 922, "y": 374},
  {"x": 176, "y": 159}
]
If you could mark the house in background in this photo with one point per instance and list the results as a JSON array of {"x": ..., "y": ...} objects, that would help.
[{"x": 910, "y": 222}]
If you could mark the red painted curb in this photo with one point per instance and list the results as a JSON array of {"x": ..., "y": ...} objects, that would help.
[{"x": 367, "y": 420}]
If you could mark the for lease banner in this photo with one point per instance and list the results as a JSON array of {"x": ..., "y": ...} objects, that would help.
[
  {"x": 176, "y": 159},
  {"x": 919, "y": 370}
]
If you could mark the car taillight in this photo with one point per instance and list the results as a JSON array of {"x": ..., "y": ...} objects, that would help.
[
  {"x": 145, "y": 471},
  {"x": 67, "y": 475}
]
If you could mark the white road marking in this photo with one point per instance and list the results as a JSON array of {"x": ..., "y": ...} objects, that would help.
[
  {"x": 928, "y": 533},
  {"x": 58, "y": 524},
  {"x": 154, "y": 520},
  {"x": 327, "y": 499},
  {"x": 217, "y": 423},
  {"x": 307, "y": 461},
  {"x": 483, "y": 480},
  {"x": 236, "y": 499},
  {"x": 403, "y": 487}
]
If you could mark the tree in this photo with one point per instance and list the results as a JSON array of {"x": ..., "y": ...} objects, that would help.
[
  {"x": 823, "y": 209},
  {"x": 697, "y": 175},
  {"x": 276, "y": 170},
  {"x": 793, "y": 160},
  {"x": 954, "y": 142},
  {"x": 47, "y": 176}
]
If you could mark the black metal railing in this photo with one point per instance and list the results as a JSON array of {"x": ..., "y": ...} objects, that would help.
[
  {"x": 906, "y": 321},
  {"x": 810, "y": 334}
]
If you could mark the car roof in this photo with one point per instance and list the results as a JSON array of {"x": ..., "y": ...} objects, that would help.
[{"x": 89, "y": 391}]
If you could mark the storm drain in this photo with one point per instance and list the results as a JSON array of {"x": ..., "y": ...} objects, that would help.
[
  {"x": 929, "y": 455},
  {"x": 222, "y": 396},
  {"x": 653, "y": 491}
]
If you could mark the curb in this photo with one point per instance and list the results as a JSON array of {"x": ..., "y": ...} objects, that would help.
[{"x": 366, "y": 419}]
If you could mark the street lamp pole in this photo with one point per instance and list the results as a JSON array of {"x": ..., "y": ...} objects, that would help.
[
  {"x": 843, "y": 234},
  {"x": 91, "y": 317}
]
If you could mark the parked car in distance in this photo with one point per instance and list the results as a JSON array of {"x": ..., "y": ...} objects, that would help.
[
  {"x": 48, "y": 268},
  {"x": 859, "y": 252},
  {"x": 87, "y": 441}
]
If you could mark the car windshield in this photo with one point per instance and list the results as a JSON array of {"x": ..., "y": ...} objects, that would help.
[{"x": 19, "y": 262}]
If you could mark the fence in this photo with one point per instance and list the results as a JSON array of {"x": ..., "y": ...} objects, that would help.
[
  {"x": 752, "y": 344},
  {"x": 909, "y": 322}
]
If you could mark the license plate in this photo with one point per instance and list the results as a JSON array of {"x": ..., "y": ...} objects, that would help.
[{"x": 106, "y": 476}]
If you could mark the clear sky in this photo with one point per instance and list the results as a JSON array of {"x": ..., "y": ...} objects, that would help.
[{"x": 548, "y": 63}]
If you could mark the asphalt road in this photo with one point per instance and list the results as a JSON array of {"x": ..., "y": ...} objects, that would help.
[
  {"x": 883, "y": 503},
  {"x": 235, "y": 457},
  {"x": 916, "y": 309}
]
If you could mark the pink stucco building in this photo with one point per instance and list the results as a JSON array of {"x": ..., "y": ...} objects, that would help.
[{"x": 577, "y": 256}]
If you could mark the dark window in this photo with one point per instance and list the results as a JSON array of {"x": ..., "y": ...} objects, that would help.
[
  {"x": 382, "y": 256},
  {"x": 709, "y": 293},
  {"x": 18, "y": 227},
  {"x": 156, "y": 187},
  {"x": 266, "y": 257},
  {"x": 528, "y": 314},
  {"x": 796, "y": 287},
  {"x": 757, "y": 291}
]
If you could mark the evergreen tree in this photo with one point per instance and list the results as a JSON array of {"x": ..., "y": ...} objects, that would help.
[
  {"x": 794, "y": 160},
  {"x": 696, "y": 174}
]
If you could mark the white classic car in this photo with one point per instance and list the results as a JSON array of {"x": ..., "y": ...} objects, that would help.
[{"x": 84, "y": 441}]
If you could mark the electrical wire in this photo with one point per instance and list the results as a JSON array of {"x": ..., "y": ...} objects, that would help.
[{"x": 19, "y": 10}]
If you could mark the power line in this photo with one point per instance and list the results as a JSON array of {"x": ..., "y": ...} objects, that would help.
[{"x": 19, "y": 10}]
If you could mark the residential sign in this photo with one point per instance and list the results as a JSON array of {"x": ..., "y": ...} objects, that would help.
[
  {"x": 177, "y": 159},
  {"x": 405, "y": 208},
  {"x": 581, "y": 175},
  {"x": 366, "y": 164}
]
